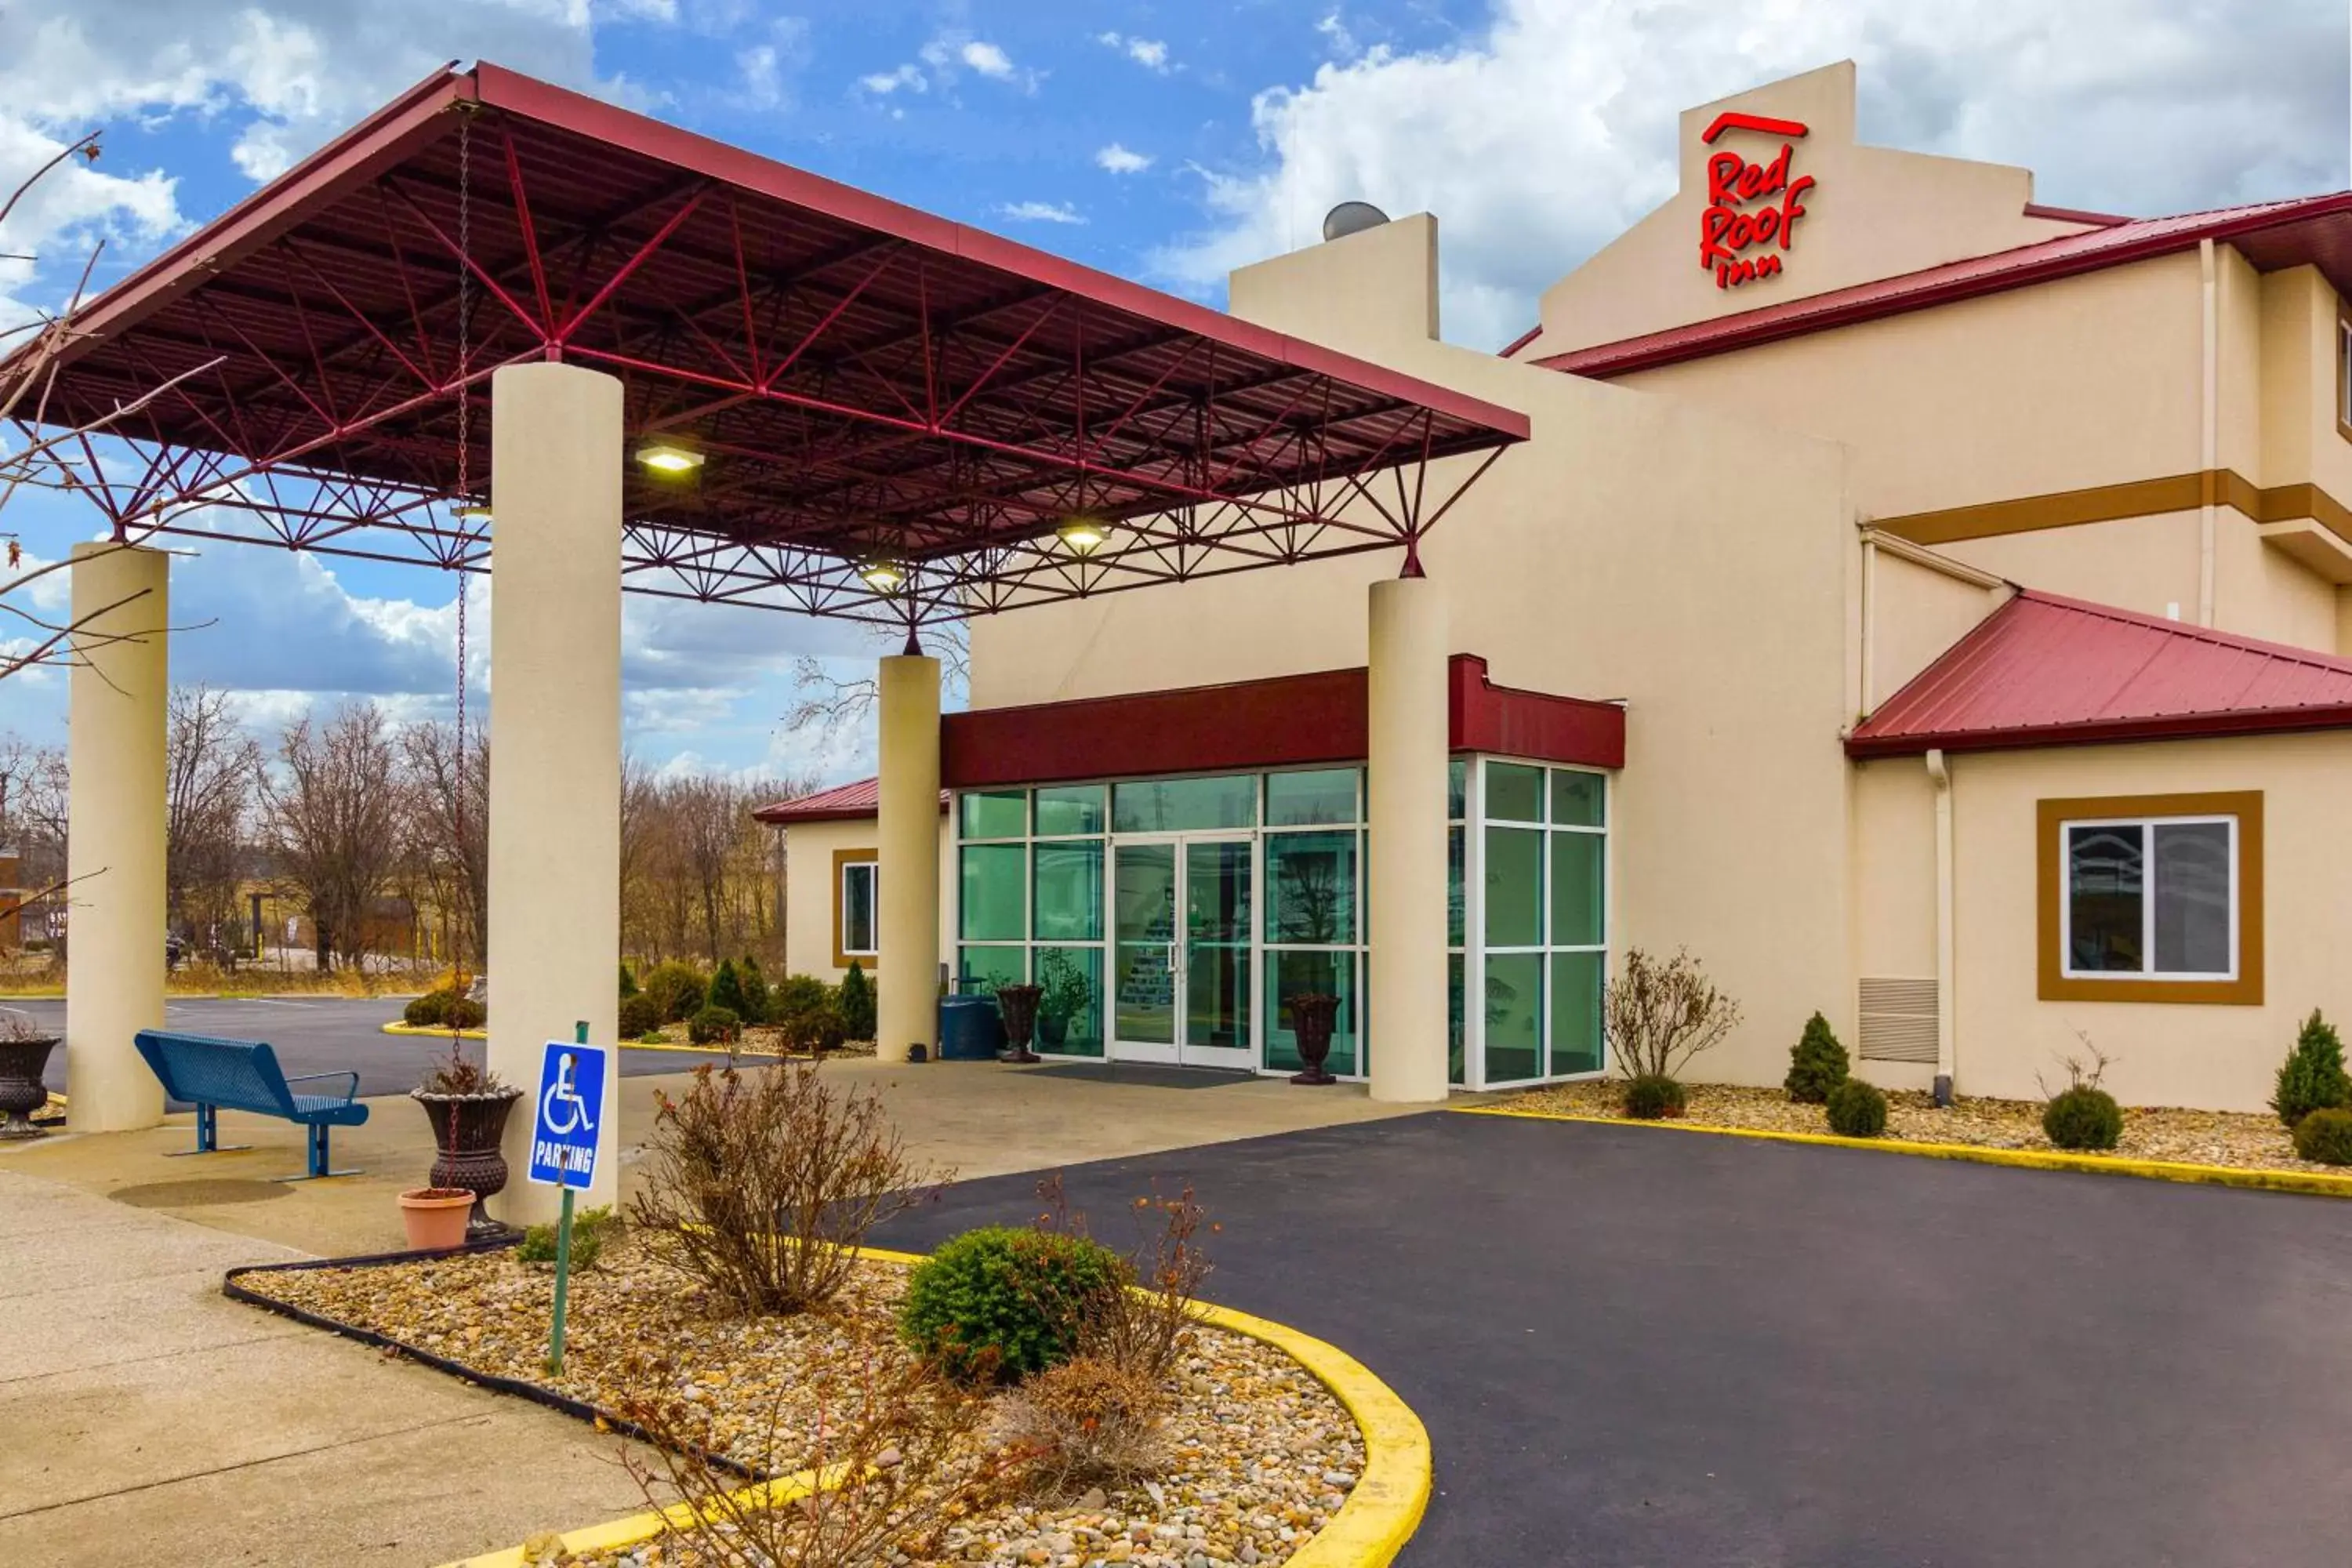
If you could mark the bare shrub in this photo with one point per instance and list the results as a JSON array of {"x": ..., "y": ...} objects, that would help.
[
  {"x": 1085, "y": 1421},
  {"x": 1660, "y": 1014},
  {"x": 895, "y": 1456},
  {"x": 761, "y": 1185},
  {"x": 1146, "y": 1326}
]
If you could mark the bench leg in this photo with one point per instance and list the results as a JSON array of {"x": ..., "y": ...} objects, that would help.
[
  {"x": 208, "y": 1135},
  {"x": 322, "y": 1162}
]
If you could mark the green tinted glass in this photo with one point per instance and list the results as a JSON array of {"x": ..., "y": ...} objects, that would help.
[
  {"x": 1514, "y": 1016},
  {"x": 1514, "y": 792},
  {"x": 1295, "y": 800},
  {"x": 1184, "y": 806},
  {"x": 1289, "y": 974},
  {"x": 1064, "y": 809},
  {"x": 1577, "y": 901},
  {"x": 1578, "y": 800},
  {"x": 1576, "y": 1012},
  {"x": 1067, "y": 890},
  {"x": 981, "y": 970},
  {"x": 1312, "y": 876},
  {"x": 1069, "y": 1010},
  {"x": 993, "y": 883},
  {"x": 1457, "y": 787},
  {"x": 1457, "y": 866},
  {"x": 1515, "y": 887},
  {"x": 998, "y": 813},
  {"x": 1454, "y": 1035}
]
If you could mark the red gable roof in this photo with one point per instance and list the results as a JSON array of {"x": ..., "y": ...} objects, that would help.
[
  {"x": 843, "y": 803},
  {"x": 2271, "y": 235},
  {"x": 2047, "y": 672}
]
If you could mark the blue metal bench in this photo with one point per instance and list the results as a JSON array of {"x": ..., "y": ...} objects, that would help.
[{"x": 243, "y": 1075}]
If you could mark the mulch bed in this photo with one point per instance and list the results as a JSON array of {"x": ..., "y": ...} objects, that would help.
[
  {"x": 2233, "y": 1138},
  {"x": 1260, "y": 1454}
]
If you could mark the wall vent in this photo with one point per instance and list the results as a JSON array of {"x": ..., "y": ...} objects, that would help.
[{"x": 1898, "y": 1020}]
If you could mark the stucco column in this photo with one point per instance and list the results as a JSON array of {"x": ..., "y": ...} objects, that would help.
[
  {"x": 1406, "y": 874},
  {"x": 907, "y": 851},
  {"x": 555, "y": 743},
  {"x": 117, "y": 697}
]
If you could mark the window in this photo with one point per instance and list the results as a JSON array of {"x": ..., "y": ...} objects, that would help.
[
  {"x": 2152, "y": 899},
  {"x": 2343, "y": 372},
  {"x": 1542, "y": 858},
  {"x": 854, "y": 909}
]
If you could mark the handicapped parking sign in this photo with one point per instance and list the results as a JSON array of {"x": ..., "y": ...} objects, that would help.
[{"x": 571, "y": 1113}]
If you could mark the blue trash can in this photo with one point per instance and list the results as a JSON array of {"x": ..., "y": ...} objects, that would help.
[{"x": 970, "y": 1031}]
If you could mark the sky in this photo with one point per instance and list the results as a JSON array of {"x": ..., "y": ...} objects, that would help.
[{"x": 1167, "y": 143}]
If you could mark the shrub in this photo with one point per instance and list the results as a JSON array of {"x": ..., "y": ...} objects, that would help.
[
  {"x": 1142, "y": 1329},
  {"x": 591, "y": 1230},
  {"x": 638, "y": 1017},
  {"x": 2325, "y": 1135},
  {"x": 714, "y": 1025},
  {"x": 428, "y": 1011},
  {"x": 628, "y": 981},
  {"x": 725, "y": 989},
  {"x": 676, "y": 990},
  {"x": 1660, "y": 1014},
  {"x": 463, "y": 1013},
  {"x": 1817, "y": 1063},
  {"x": 2083, "y": 1117},
  {"x": 755, "y": 991},
  {"x": 761, "y": 1186},
  {"x": 2312, "y": 1077},
  {"x": 857, "y": 1004},
  {"x": 1653, "y": 1097},
  {"x": 1002, "y": 1304},
  {"x": 796, "y": 994},
  {"x": 814, "y": 1030},
  {"x": 1856, "y": 1110},
  {"x": 1083, "y": 1422}
]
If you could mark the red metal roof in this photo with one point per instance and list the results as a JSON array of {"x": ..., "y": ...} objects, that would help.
[
  {"x": 864, "y": 381},
  {"x": 2271, "y": 235},
  {"x": 843, "y": 803},
  {"x": 2044, "y": 670}
]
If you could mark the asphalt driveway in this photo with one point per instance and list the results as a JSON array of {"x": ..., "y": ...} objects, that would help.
[
  {"x": 327, "y": 1034},
  {"x": 1638, "y": 1347}
]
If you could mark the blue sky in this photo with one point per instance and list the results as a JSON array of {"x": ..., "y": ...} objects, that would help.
[{"x": 1162, "y": 141}]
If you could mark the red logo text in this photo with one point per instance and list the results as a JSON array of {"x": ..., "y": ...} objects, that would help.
[{"x": 1750, "y": 207}]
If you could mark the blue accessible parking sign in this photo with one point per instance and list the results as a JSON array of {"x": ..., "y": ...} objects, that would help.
[{"x": 571, "y": 1109}]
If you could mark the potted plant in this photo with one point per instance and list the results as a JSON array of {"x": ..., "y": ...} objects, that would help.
[
  {"x": 468, "y": 1105},
  {"x": 1066, "y": 996},
  {"x": 1017, "y": 1007},
  {"x": 435, "y": 1217},
  {"x": 25, "y": 1048},
  {"x": 1312, "y": 1014}
]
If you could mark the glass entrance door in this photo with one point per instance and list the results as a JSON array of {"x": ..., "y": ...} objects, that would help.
[{"x": 1182, "y": 971}]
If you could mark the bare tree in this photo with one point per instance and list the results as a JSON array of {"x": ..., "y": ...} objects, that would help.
[
  {"x": 825, "y": 703},
  {"x": 333, "y": 810},
  {"x": 214, "y": 768},
  {"x": 446, "y": 828},
  {"x": 698, "y": 874},
  {"x": 33, "y": 817}
]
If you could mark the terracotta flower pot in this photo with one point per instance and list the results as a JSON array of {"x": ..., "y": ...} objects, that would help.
[
  {"x": 435, "y": 1217},
  {"x": 1312, "y": 1014},
  {"x": 1017, "y": 1006},
  {"x": 468, "y": 1130},
  {"x": 21, "y": 1090}
]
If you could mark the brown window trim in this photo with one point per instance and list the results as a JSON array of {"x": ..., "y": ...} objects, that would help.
[
  {"x": 2344, "y": 370},
  {"x": 842, "y": 960},
  {"x": 2057, "y": 986}
]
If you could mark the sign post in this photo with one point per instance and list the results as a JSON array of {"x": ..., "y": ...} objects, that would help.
[{"x": 563, "y": 1148}]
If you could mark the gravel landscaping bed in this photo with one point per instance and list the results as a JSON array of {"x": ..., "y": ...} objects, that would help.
[
  {"x": 1260, "y": 1454},
  {"x": 2196, "y": 1137}
]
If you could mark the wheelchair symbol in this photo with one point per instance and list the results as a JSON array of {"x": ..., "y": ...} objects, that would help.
[{"x": 562, "y": 1093}]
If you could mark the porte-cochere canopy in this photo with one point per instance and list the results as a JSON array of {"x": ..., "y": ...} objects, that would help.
[{"x": 881, "y": 414}]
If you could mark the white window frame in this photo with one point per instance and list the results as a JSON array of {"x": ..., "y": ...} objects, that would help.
[
  {"x": 2148, "y": 826},
  {"x": 873, "y": 869}
]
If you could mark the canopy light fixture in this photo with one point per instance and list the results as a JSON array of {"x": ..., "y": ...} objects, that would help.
[
  {"x": 1084, "y": 535},
  {"x": 882, "y": 577},
  {"x": 668, "y": 457},
  {"x": 473, "y": 511}
]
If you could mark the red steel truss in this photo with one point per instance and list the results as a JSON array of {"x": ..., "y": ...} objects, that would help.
[{"x": 865, "y": 383}]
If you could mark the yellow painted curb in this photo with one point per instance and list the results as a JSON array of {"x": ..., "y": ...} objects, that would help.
[
  {"x": 696, "y": 1050},
  {"x": 2308, "y": 1182},
  {"x": 1370, "y": 1528},
  {"x": 420, "y": 1032}
]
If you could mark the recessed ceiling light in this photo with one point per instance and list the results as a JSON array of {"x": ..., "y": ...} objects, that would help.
[
  {"x": 668, "y": 457},
  {"x": 882, "y": 577},
  {"x": 1084, "y": 535}
]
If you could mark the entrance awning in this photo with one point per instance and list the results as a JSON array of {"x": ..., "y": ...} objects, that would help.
[{"x": 859, "y": 391}]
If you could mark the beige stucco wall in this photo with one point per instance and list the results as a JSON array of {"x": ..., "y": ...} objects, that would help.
[
  {"x": 1690, "y": 561},
  {"x": 810, "y": 890},
  {"x": 1917, "y": 612},
  {"x": 2220, "y": 1056}
]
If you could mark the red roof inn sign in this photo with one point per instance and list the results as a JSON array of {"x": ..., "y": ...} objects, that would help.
[{"x": 1749, "y": 204}]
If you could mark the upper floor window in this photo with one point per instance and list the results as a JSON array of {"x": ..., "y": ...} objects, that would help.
[{"x": 2344, "y": 372}]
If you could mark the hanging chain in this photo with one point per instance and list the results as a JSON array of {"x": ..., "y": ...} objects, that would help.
[{"x": 461, "y": 968}]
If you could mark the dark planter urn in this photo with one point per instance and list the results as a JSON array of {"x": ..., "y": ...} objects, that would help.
[
  {"x": 21, "y": 1090},
  {"x": 1312, "y": 1014},
  {"x": 1017, "y": 1006},
  {"x": 468, "y": 1129}
]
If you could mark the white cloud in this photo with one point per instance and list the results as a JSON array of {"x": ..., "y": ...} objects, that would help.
[
  {"x": 944, "y": 59},
  {"x": 1039, "y": 212},
  {"x": 987, "y": 59},
  {"x": 1120, "y": 161},
  {"x": 909, "y": 76},
  {"x": 1547, "y": 135},
  {"x": 1151, "y": 54}
]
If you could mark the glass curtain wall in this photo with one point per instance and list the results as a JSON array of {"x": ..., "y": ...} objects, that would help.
[
  {"x": 1029, "y": 868},
  {"x": 1543, "y": 847},
  {"x": 1314, "y": 938}
]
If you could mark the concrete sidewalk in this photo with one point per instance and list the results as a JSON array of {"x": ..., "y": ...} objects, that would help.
[{"x": 150, "y": 1419}]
